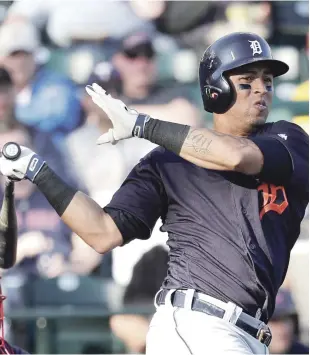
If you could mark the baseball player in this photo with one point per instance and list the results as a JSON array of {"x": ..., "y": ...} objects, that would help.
[{"x": 231, "y": 199}]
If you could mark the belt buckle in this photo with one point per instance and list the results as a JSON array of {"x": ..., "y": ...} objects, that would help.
[{"x": 264, "y": 334}]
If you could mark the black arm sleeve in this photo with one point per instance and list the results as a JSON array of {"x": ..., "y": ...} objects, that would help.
[
  {"x": 278, "y": 164},
  {"x": 129, "y": 225}
]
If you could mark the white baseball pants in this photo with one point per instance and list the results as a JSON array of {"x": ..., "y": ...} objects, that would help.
[{"x": 182, "y": 331}]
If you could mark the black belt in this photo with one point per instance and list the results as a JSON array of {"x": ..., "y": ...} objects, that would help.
[{"x": 258, "y": 329}]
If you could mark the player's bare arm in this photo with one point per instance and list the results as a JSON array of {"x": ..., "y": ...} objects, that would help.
[
  {"x": 82, "y": 214},
  {"x": 203, "y": 147},
  {"x": 88, "y": 220},
  {"x": 214, "y": 150}
]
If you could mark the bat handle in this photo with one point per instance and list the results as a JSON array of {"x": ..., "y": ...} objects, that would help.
[
  {"x": 9, "y": 186},
  {"x": 11, "y": 151},
  {"x": 8, "y": 228}
]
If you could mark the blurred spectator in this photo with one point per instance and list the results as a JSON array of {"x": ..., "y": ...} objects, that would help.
[
  {"x": 67, "y": 21},
  {"x": 148, "y": 10},
  {"x": 43, "y": 240},
  {"x": 39, "y": 227},
  {"x": 7, "y": 102},
  {"x": 290, "y": 20},
  {"x": 302, "y": 94},
  {"x": 83, "y": 260},
  {"x": 100, "y": 169},
  {"x": 46, "y": 101},
  {"x": 9, "y": 125},
  {"x": 284, "y": 326},
  {"x": 186, "y": 21},
  {"x": 196, "y": 24},
  {"x": 146, "y": 280},
  {"x": 136, "y": 62}
]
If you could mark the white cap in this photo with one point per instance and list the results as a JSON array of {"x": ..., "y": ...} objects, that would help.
[{"x": 18, "y": 36}]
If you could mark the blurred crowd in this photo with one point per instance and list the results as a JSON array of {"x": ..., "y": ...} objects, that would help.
[{"x": 146, "y": 54}]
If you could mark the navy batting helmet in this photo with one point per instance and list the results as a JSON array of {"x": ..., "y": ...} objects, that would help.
[{"x": 227, "y": 53}]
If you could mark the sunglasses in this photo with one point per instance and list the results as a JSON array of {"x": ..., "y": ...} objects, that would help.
[{"x": 145, "y": 51}]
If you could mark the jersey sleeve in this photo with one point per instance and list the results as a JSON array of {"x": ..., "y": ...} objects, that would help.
[
  {"x": 128, "y": 224},
  {"x": 286, "y": 155},
  {"x": 140, "y": 199}
]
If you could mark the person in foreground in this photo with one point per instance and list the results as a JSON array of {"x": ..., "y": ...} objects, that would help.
[
  {"x": 5, "y": 347},
  {"x": 231, "y": 199}
]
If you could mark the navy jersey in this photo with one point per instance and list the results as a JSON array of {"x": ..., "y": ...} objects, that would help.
[{"x": 230, "y": 235}]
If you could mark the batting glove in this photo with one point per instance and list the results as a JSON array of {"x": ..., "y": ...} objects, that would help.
[
  {"x": 27, "y": 166},
  {"x": 127, "y": 122}
]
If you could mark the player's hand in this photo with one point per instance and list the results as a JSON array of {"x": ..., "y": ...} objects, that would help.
[
  {"x": 122, "y": 117},
  {"x": 26, "y": 166}
]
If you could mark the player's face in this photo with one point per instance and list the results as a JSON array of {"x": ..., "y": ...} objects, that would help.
[{"x": 254, "y": 91}]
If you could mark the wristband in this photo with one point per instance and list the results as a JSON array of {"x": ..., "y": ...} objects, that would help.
[
  {"x": 56, "y": 191},
  {"x": 138, "y": 129},
  {"x": 35, "y": 165},
  {"x": 166, "y": 134}
]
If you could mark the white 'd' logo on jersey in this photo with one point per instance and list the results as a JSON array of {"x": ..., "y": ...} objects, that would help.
[{"x": 256, "y": 47}]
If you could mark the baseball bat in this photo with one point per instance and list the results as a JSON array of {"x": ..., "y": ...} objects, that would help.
[{"x": 8, "y": 219}]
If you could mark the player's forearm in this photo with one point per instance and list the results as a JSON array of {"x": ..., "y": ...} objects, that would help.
[
  {"x": 205, "y": 147},
  {"x": 214, "y": 150},
  {"x": 82, "y": 214},
  {"x": 88, "y": 220}
]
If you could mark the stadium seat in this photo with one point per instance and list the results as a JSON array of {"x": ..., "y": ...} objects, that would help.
[
  {"x": 76, "y": 300},
  {"x": 67, "y": 290}
]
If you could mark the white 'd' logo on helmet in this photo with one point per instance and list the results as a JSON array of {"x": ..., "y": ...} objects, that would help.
[{"x": 255, "y": 45}]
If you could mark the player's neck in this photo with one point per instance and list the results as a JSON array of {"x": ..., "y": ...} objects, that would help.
[{"x": 226, "y": 126}]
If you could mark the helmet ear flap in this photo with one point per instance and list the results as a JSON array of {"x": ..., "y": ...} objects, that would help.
[
  {"x": 220, "y": 96},
  {"x": 212, "y": 92},
  {"x": 230, "y": 93}
]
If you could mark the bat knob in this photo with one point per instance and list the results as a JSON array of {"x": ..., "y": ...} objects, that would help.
[{"x": 11, "y": 151}]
